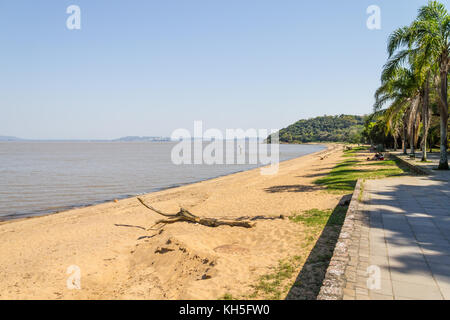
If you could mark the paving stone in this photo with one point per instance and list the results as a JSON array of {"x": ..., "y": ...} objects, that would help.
[
  {"x": 350, "y": 286},
  {"x": 412, "y": 277},
  {"x": 403, "y": 228},
  {"x": 385, "y": 288},
  {"x": 377, "y": 296},
  {"x": 349, "y": 292},
  {"x": 380, "y": 261},
  {"x": 380, "y": 251},
  {"x": 444, "y": 287},
  {"x": 416, "y": 291},
  {"x": 361, "y": 291},
  {"x": 441, "y": 273},
  {"x": 429, "y": 241},
  {"x": 425, "y": 229},
  {"x": 438, "y": 259}
]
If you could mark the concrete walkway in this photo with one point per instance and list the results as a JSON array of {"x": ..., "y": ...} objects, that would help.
[
  {"x": 402, "y": 247},
  {"x": 429, "y": 166}
]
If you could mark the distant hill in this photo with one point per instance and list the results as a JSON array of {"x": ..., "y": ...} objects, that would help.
[
  {"x": 342, "y": 128},
  {"x": 123, "y": 139},
  {"x": 141, "y": 139},
  {"x": 8, "y": 138}
]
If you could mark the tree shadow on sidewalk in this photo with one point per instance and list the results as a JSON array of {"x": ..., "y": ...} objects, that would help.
[{"x": 414, "y": 216}]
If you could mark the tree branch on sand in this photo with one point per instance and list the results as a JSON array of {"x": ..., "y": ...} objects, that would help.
[{"x": 185, "y": 215}]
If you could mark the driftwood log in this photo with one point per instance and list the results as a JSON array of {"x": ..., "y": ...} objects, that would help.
[{"x": 185, "y": 215}]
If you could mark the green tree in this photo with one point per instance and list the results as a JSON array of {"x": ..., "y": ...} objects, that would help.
[
  {"x": 428, "y": 36},
  {"x": 401, "y": 87}
]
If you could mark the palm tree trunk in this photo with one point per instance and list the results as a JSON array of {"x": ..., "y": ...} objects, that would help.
[
  {"x": 412, "y": 134},
  {"x": 425, "y": 117},
  {"x": 443, "y": 161},
  {"x": 412, "y": 121},
  {"x": 404, "y": 140},
  {"x": 443, "y": 110}
]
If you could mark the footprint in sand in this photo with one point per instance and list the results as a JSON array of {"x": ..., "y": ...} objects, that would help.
[{"x": 231, "y": 249}]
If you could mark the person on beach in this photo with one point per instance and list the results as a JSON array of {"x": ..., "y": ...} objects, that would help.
[{"x": 377, "y": 157}]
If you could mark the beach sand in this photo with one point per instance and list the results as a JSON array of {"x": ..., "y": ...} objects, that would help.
[{"x": 119, "y": 258}]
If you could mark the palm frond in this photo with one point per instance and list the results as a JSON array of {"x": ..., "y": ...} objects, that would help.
[
  {"x": 434, "y": 10},
  {"x": 399, "y": 38}
]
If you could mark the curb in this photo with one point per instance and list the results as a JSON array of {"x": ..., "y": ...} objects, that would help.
[
  {"x": 413, "y": 167},
  {"x": 334, "y": 282}
]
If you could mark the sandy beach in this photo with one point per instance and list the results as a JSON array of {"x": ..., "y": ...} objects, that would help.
[{"x": 120, "y": 258}]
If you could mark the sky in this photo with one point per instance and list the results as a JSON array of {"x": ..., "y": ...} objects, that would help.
[{"x": 148, "y": 67}]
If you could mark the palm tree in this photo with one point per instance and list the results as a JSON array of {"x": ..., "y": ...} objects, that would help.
[
  {"x": 428, "y": 36},
  {"x": 426, "y": 114},
  {"x": 394, "y": 125},
  {"x": 401, "y": 87}
]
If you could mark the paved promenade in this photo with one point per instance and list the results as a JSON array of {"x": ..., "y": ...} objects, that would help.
[
  {"x": 401, "y": 248},
  {"x": 429, "y": 166}
]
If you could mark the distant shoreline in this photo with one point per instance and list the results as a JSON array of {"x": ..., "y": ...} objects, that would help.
[
  {"x": 121, "y": 255},
  {"x": 37, "y": 214}
]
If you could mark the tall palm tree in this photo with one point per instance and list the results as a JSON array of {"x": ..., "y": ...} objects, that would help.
[
  {"x": 394, "y": 125},
  {"x": 401, "y": 87},
  {"x": 429, "y": 35},
  {"x": 426, "y": 114}
]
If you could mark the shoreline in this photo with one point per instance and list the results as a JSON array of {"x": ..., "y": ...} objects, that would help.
[
  {"x": 121, "y": 256},
  {"x": 25, "y": 216}
]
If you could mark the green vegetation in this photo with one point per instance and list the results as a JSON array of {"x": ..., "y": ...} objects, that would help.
[
  {"x": 351, "y": 151},
  {"x": 322, "y": 227},
  {"x": 414, "y": 84},
  {"x": 226, "y": 296},
  {"x": 318, "y": 218},
  {"x": 414, "y": 89},
  {"x": 343, "y": 177},
  {"x": 343, "y": 128},
  {"x": 361, "y": 191},
  {"x": 272, "y": 285},
  {"x": 325, "y": 223}
]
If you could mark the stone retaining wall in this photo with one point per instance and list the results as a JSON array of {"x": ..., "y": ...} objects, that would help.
[
  {"x": 335, "y": 279},
  {"x": 411, "y": 166}
]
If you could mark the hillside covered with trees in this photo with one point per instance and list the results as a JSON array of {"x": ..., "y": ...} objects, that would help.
[{"x": 342, "y": 128}]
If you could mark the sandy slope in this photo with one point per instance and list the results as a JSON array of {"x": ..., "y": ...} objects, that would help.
[{"x": 183, "y": 260}]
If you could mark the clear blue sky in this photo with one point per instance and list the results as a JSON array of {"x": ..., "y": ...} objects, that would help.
[{"x": 147, "y": 67}]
